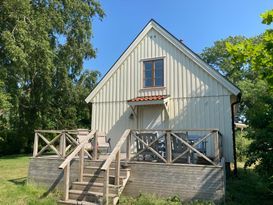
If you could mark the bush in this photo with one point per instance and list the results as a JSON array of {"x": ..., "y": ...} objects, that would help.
[
  {"x": 242, "y": 145},
  {"x": 10, "y": 143}
]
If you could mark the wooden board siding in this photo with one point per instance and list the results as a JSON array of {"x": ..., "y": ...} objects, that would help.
[
  {"x": 197, "y": 100},
  {"x": 187, "y": 181}
]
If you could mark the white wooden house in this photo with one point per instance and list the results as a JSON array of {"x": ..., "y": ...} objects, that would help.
[
  {"x": 158, "y": 82},
  {"x": 160, "y": 85}
]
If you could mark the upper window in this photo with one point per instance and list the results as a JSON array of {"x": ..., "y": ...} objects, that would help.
[{"x": 154, "y": 73}]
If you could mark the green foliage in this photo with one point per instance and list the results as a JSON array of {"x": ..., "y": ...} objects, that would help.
[
  {"x": 242, "y": 145},
  {"x": 258, "y": 100},
  {"x": 148, "y": 199},
  {"x": 252, "y": 59},
  {"x": 247, "y": 189},
  {"x": 267, "y": 17},
  {"x": 219, "y": 58},
  {"x": 4, "y": 99},
  {"x": 42, "y": 48},
  {"x": 256, "y": 53}
]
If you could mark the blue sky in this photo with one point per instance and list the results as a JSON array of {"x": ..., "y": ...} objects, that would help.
[{"x": 197, "y": 22}]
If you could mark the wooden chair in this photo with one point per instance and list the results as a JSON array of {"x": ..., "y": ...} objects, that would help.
[{"x": 178, "y": 147}]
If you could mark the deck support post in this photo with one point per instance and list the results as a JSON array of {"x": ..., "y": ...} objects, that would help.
[
  {"x": 35, "y": 145},
  {"x": 95, "y": 146},
  {"x": 105, "y": 187},
  {"x": 168, "y": 146},
  {"x": 62, "y": 145},
  {"x": 81, "y": 156},
  {"x": 128, "y": 149},
  {"x": 66, "y": 181},
  {"x": 117, "y": 169}
]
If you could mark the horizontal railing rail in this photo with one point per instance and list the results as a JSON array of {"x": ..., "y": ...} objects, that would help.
[{"x": 59, "y": 142}]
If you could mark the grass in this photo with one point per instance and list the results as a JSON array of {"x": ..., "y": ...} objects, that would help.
[
  {"x": 247, "y": 189},
  {"x": 13, "y": 186}
]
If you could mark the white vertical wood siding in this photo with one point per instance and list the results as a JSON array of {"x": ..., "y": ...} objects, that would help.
[{"x": 196, "y": 99}]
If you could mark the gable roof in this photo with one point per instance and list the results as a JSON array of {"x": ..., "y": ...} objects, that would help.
[{"x": 152, "y": 24}]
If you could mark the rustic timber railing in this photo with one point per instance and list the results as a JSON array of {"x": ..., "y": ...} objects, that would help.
[
  {"x": 66, "y": 164},
  {"x": 115, "y": 155},
  {"x": 167, "y": 146},
  {"x": 59, "y": 142},
  {"x": 176, "y": 146}
]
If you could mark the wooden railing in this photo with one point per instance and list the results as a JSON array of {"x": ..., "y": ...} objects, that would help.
[
  {"x": 59, "y": 142},
  {"x": 66, "y": 163},
  {"x": 115, "y": 155},
  {"x": 148, "y": 140},
  {"x": 178, "y": 144}
]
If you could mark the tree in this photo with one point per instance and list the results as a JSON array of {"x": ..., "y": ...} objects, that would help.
[
  {"x": 254, "y": 56},
  {"x": 258, "y": 57},
  {"x": 256, "y": 53},
  {"x": 4, "y": 100},
  {"x": 219, "y": 58},
  {"x": 42, "y": 48}
]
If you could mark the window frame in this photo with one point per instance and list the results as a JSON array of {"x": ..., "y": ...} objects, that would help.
[{"x": 153, "y": 61}]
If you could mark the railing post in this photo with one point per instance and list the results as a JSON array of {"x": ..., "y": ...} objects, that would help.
[
  {"x": 35, "y": 145},
  {"x": 96, "y": 146},
  {"x": 190, "y": 151},
  {"x": 62, "y": 144},
  {"x": 217, "y": 145},
  {"x": 128, "y": 149},
  {"x": 81, "y": 163},
  {"x": 105, "y": 187},
  {"x": 66, "y": 181},
  {"x": 168, "y": 146},
  {"x": 117, "y": 169}
]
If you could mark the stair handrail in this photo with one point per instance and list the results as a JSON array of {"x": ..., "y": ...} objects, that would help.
[
  {"x": 66, "y": 163},
  {"x": 115, "y": 155}
]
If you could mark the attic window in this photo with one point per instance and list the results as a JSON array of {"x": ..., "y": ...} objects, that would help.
[{"x": 154, "y": 73}]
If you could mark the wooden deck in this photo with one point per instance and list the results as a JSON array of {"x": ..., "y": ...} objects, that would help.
[{"x": 163, "y": 162}]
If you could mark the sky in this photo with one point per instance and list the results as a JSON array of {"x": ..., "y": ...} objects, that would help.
[{"x": 198, "y": 23}]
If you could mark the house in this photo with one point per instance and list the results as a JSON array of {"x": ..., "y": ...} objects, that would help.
[
  {"x": 169, "y": 118},
  {"x": 159, "y": 83}
]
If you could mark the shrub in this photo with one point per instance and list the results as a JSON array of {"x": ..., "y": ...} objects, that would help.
[{"x": 242, "y": 144}]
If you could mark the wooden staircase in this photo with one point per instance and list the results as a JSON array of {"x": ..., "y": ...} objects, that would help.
[
  {"x": 90, "y": 190},
  {"x": 100, "y": 181}
]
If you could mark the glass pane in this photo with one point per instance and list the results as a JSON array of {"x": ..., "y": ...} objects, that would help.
[
  {"x": 148, "y": 73},
  {"x": 148, "y": 65},
  {"x": 148, "y": 82},
  {"x": 159, "y": 82},
  {"x": 159, "y": 71}
]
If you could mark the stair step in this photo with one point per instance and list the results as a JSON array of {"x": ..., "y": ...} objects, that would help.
[
  {"x": 99, "y": 178},
  {"x": 75, "y": 202},
  {"x": 97, "y": 163},
  {"x": 93, "y": 186},
  {"x": 90, "y": 196},
  {"x": 97, "y": 170}
]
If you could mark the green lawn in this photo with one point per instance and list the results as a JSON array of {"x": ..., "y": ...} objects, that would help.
[
  {"x": 248, "y": 188},
  {"x": 13, "y": 187}
]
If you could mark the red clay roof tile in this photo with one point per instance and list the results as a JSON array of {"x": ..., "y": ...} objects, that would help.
[{"x": 148, "y": 98}]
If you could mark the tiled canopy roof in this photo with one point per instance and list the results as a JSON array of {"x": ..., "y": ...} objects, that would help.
[{"x": 149, "y": 98}]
